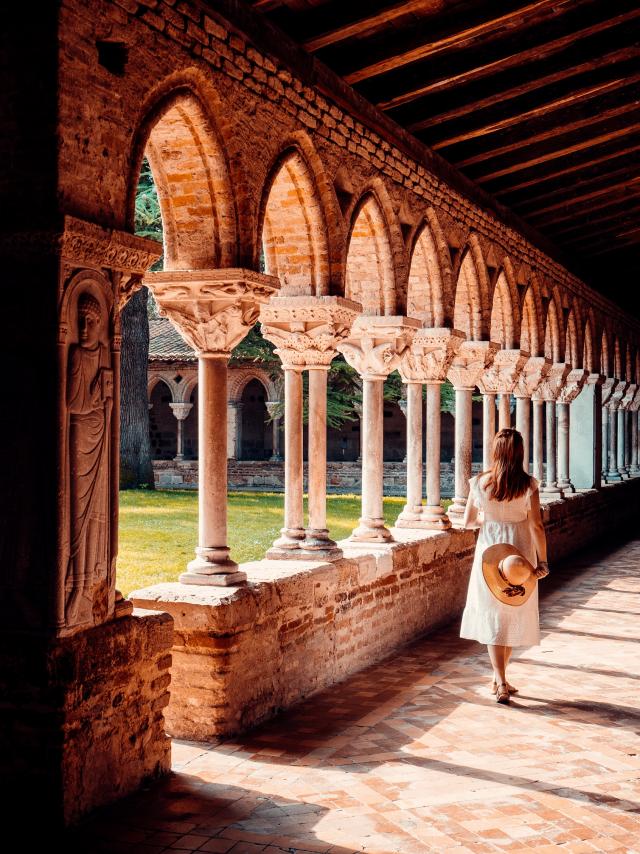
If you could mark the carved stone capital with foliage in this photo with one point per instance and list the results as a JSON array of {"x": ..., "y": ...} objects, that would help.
[
  {"x": 535, "y": 369},
  {"x": 501, "y": 376},
  {"x": 634, "y": 406},
  {"x": 552, "y": 384},
  {"x": 181, "y": 410},
  {"x": 470, "y": 362},
  {"x": 573, "y": 385},
  {"x": 213, "y": 310},
  {"x": 306, "y": 330},
  {"x": 617, "y": 394},
  {"x": 377, "y": 344},
  {"x": 608, "y": 387},
  {"x": 428, "y": 357},
  {"x": 629, "y": 396}
]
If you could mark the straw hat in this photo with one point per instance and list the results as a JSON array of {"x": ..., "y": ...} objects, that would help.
[{"x": 508, "y": 574}]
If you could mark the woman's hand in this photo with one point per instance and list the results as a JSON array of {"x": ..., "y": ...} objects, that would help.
[{"x": 542, "y": 569}]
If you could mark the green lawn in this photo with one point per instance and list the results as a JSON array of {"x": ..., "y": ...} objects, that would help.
[{"x": 158, "y": 530}]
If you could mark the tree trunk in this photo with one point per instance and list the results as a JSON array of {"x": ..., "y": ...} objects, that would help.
[{"x": 135, "y": 448}]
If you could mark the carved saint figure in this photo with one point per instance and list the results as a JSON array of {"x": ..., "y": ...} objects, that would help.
[{"x": 89, "y": 405}]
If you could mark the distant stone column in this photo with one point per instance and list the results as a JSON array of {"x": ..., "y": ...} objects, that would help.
[
  {"x": 538, "y": 444},
  {"x": 273, "y": 406},
  {"x": 634, "y": 468},
  {"x": 504, "y": 411},
  {"x": 616, "y": 442},
  {"x": 181, "y": 411},
  {"x": 548, "y": 391},
  {"x": 572, "y": 387},
  {"x": 467, "y": 368},
  {"x": 214, "y": 310},
  {"x": 488, "y": 428},
  {"x": 499, "y": 380},
  {"x": 535, "y": 369}
]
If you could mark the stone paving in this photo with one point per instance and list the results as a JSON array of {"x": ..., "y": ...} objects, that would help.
[{"x": 414, "y": 755}]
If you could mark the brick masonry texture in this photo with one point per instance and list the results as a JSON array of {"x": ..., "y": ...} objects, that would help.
[
  {"x": 242, "y": 655},
  {"x": 88, "y": 714}
]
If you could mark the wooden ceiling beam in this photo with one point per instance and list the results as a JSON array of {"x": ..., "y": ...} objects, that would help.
[
  {"x": 585, "y": 220},
  {"x": 567, "y": 191},
  {"x": 542, "y": 51},
  {"x": 535, "y": 83},
  {"x": 602, "y": 233},
  {"x": 607, "y": 203},
  {"x": 543, "y": 110},
  {"x": 556, "y": 153},
  {"x": 505, "y": 191},
  {"x": 533, "y": 12},
  {"x": 366, "y": 24},
  {"x": 621, "y": 244}
]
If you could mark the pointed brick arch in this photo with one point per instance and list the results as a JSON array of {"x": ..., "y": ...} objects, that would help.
[
  {"x": 590, "y": 358},
  {"x": 471, "y": 293},
  {"x": 573, "y": 339},
  {"x": 370, "y": 278},
  {"x": 504, "y": 324},
  {"x": 531, "y": 325},
  {"x": 553, "y": 348},
  {"x": 239, "y": 379},
  {"x": 293, "y": 225},
  {"x": 190, "y": 169},
  {"x": 606, "y": 355},
  {"x": 428, "y": 290}
]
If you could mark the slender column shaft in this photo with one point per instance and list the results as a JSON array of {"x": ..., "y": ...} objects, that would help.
[
  {"x": 212, "y": 564},
  {"x": 634, "y": 467},
  {"x": 538, "y": 446},
  {"x": 504, "y": 411},
  {"x": 371, "y": 527},
  {"x": 488, "y": 427},
  {"x": 621, "y": 442},
  {"x": 179, "y": 440},
  {"x": 564, "y": 480},
  {"x": 433, "y": 513},
  {"x": 523, "y": 425},
  {"x": 275, "y": 438},
  {"x": 551, "y": 484},
  {"x": 605, "y": 442},
  {"x": 413, "y": 507},
  {"x": 317, "y": 538},
  {"x": 613, "y": 474},
  {"x": 463, "y": 438}
]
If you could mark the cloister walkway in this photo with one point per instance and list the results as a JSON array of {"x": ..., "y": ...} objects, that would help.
[{"x": 414, "y": 755}]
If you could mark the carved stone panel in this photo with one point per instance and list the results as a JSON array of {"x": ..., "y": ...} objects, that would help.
[
  {"x": 573, "y": 385},
  {"x": 535, "y": 369},
  {"x": 501, "y": 376},
  {"x": 377, "y": 343},
  {"x": 552, "y": 384},
  {"x": 471, "y": 361}
]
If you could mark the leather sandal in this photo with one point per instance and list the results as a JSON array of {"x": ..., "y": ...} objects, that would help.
[
  {"x": 510, "y": 688},
  {"x": 502, "y": 693}
]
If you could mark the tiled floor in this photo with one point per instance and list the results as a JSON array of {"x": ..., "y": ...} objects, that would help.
[{"x": 414, "y": 755}]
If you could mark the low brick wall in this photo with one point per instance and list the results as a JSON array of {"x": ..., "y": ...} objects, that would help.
[
  {"x": 242, "y": 654},
  {"x": 86, "y": 724},
  {"x": 269, "y": 477}
]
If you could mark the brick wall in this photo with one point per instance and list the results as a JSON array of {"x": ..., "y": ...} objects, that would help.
[
  {"x": 84, "y": 724},
  {"x": 243, "y": 654}
]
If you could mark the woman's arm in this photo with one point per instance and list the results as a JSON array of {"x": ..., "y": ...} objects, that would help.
[
  {"x": 471, "y": 513},
  {"x": 537, "y": 528}
]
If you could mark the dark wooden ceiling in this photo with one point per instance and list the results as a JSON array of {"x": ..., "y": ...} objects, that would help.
[{"x": 537, "y": 101}]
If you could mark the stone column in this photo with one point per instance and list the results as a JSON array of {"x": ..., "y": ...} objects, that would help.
[
  {"x": 425, "y": 361},
  {"x": 273, "y": 406},
  {"x": 499, "y": 379},
  {"x": 467, "y": 368},
  {"x": 538, "y": 444},
  {"x": 535, "y": 369},
  {"x": 634, "y": 468},
  {"x": 625, "y": 404},
  {"x": 213, "y": 310},
  {"x": 548, "y": 391},
  {"x": 306, "y": 332},
  {"x": 622, "y": 442},
  {"x": 586, "y": 435},
  {"x": 608, "y": 387},
  {"x": 181, "y": 411},
  {"x": 374, "y": 349},
  {"x": 571, "y": 389},
  {"x": 615, "y": 472},
  {"x": 488, "y": 428},
  {"x": 504, "y": 410}
]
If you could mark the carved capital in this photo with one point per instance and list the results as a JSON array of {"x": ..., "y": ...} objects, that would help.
[
  {"x": 470, "y": 362},
  {"x": 306, "y": 330},
  {"x": 181, "y": 410},
  {"x": 213, "y": 310},
  {"x": 535, "y": 369},
  {"x": 550, "y": 387},
  {"x": 629, "y": 396},
  {"x": 634, "y": 406},
  {"x": 428, "y": 357},
  {"x": 595, "y": 379},
  {"x": 608, "y": 387},
  {"x": 617, "y": 394},
  {"x": 501, "y": 376},
  {"x": 573, "y": 385},
  {"x": 376, "y": 344},
  {"x": 274, "y": 408}
]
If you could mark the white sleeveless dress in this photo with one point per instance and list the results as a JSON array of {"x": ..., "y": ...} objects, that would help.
[{"x": 485, "y": 619}]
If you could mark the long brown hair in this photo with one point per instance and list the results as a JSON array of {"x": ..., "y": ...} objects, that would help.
[{"x": 507, "y": 479}]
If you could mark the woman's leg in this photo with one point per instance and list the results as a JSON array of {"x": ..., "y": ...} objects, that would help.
[{"x": 497, "y": 654}]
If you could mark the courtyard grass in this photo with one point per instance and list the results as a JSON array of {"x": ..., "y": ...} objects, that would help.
[{"x": 158, "y": 529}]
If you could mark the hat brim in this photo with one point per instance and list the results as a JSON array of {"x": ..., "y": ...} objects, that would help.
[{"x": 503, "y": 592}]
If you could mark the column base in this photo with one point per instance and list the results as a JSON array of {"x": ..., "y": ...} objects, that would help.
[
  {"x": 288, "y": 545},
  {"x": 566, "y": 486},
  {"x": 371, "y": 531},
  {"x": 213, "y": 568},
  {"x": 634, "y": 471},
  {"x": 551, "y": 489},
  {"x": 410, "y": 517},
  {"x": 179, "y": 458},
  {"x": 456, "y": 511},
  {"x": 276, "y": 458},
  {"x": 435, "y": 517},
  {"x": 613, "y": 477},
  {"x": 318, "y": 545}
]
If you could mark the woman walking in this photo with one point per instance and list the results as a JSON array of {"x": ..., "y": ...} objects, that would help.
[{"x": 511, "y": 554}]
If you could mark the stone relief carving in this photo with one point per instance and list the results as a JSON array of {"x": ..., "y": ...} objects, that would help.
[
  {"x": 552, "y": 384},
  {"x": 89, "y": 401},
  {"x": 503, "y": 373},
  {"x": 377, "y": 343},
  {"x": 573, "y": 385},
  {"x": 469, "y": 363},
  {"x": 535, "y": 370}
]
